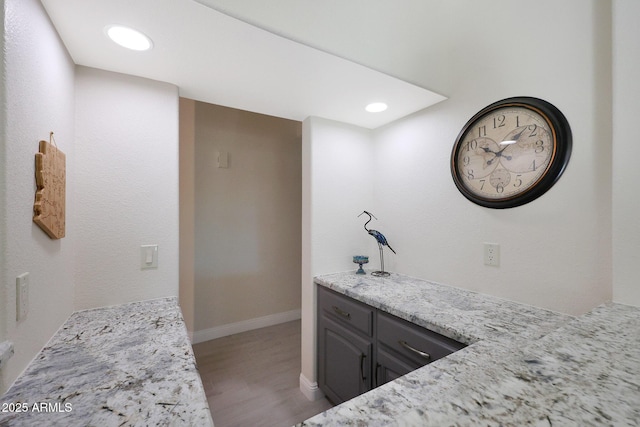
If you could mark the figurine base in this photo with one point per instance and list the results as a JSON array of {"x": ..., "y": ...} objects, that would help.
[
  {"x": 361, "y": 271},
  {"x": 380, "y": 273}
]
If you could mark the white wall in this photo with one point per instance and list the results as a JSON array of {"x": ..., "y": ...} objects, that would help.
[
  {"x": 121, "y": 146},
  {"x": 38, "y": 92},
  {"x": 3, "y": 178},
  {"x": 626, "y": 150},
  {"x": 127, "y": 190},
  {"x": 555, "y": 251},
  {"x": 337, "y": 185},
  {"x": 187, "y": 180}
]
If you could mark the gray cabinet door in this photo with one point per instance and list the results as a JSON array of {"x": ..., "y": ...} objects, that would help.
[
  {"x": 390, "y": 367},
  {"x": 344, "y": 362}
]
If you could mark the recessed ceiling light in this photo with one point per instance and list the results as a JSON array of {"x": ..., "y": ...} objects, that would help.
[
  {"x": 128, "y": 37},
  {"x": 376, "y": 107}
]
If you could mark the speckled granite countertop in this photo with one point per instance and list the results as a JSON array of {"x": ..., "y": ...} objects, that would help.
[
  {"x": 524, "y": 365},
  {"x": 127, "y": 365}
]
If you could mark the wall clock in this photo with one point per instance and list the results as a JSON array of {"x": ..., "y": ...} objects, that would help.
[{"x": 511, "y": 152}]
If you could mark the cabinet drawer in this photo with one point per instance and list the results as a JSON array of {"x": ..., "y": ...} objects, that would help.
[
  {"x": 413, "y": 342},
  {"x": 348, "y": 311}
]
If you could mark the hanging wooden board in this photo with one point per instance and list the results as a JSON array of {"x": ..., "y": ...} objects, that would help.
[{"x": 49, "y": 206}]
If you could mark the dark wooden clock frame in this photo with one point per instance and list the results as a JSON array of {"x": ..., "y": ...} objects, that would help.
[{"x": 561, "y": 134}]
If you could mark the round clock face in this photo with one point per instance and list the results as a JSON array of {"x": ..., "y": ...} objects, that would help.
[{"x": 511, "y": 152}]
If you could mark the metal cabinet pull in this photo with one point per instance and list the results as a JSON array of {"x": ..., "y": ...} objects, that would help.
[
  {"x": 342, "y": 313},
  {"x": 416, "y": 351},
  {"x": 362, "y": 357}
]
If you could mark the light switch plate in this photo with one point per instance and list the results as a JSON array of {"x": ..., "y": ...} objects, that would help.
[
  {"x": 22, "y": 296},
  {"x": 148, "y": 257},
  {"x": 222, "y": 159}
]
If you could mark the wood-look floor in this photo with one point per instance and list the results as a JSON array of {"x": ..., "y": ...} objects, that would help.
[{"x": 252, "y": 379}]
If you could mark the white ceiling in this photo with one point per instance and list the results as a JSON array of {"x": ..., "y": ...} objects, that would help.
[
  {"x": 407, "y": 39},
  {"x": 286, "y": 58}
]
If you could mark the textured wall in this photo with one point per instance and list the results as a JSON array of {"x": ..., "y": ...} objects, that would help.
[
  {"x": 3, "y": 178},
  {"x": 35, "y": 105},
  {"x": 337, "y": 186},
  {"x": 626, "y": 151},
  {"x": 127, "y": 191},
  {"x": 247, "y": 216},
  {"x": 187, "y": 214},
  {"x": 556, "y": 251}
]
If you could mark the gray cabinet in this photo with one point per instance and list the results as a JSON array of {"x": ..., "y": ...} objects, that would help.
[
  {"x": 346, "y": 366},
  {"x": 346, "y": 346},
  {"x": 360, "y": 347},
  {"x": 403, "y": 346}
]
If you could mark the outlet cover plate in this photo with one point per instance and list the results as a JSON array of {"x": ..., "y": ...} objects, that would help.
[{"x": 492, "y": 254}]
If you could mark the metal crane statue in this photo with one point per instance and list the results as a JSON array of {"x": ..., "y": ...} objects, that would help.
[{"x": 382, "y": 242}]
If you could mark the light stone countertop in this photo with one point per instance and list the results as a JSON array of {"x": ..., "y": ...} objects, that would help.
[
  {"x": 126, "y": 365},
  {"x": 524, "y": 365}
]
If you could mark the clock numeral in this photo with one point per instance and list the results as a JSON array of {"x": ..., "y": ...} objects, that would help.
[
  {"x": 470, "y": 174},
  {"x": 498, "y": 122},
  {"x": 539, "y": 146},
  {"x": 466, "y": 160},
  {"x": 499, "y": 188},
  {"x": 533, "y": 129},
  {"x": 472, "y": 145},
  {"x": 482, "y": 181},
  {"x": 482, "y": 131},
  {"x": 533, "y": 165},
  {"x": 518, "y": 182}
]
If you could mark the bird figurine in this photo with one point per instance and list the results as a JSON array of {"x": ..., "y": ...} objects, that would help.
[
  {"x": 375, "y": 233},
  {"x": 382, "y": 241}
]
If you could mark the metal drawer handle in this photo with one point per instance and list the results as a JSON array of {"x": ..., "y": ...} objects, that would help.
[
  {"x": 362, "y": 357},
  {"x": 342, "y": 313},
  {"x": 416, "y": 351}
]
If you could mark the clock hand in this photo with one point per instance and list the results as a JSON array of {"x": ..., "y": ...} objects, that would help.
[
  {"x": 499, "y": 154},
  {"x": 517, "y": 136},
  {"x": 488, "y": 150}
]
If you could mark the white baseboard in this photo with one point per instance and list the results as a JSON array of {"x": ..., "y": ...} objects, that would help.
[
  {"x": 244, "y": 326},
  {"x": 310, "y": 389}
]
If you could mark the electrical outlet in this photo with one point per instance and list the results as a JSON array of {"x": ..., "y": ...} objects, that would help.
[
  {"x": 492, "y": 254},
  {"x": 22, "y": 296}
]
